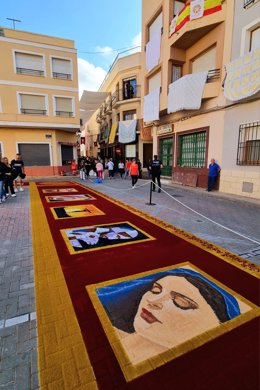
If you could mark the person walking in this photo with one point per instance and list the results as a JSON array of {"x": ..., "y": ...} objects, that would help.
[
  {"x": 18, "y": 171},
  {"x": 214, "y": 170},
  {"x": 8, "y": 177},
  {"x": 139, "y": 168},
  {"x": 110, "y": 167},
  {"x": 99, "y": 168},
  {"x": 82, "y": 169},
  {"x": 156, "y": 166},
  {"x": 134, "y": 172},
  {"x": 88, "y": 166},
  {"x": 127, "y": 167},
  {"x": 121, "y": 168}
]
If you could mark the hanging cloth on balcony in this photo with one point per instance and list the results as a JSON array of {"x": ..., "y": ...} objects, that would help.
[
  {"x": 113, "y": 133},
  {"x": 196, "y": 9},
  {"x": 152, "y": 105},
  {"x": 186, "y": 92},
  {"x": 127, "y": 131},
  {"x": 243, "y": 76},
  {"x": 153, "y": 50}
]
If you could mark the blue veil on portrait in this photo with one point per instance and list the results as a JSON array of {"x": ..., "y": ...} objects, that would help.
[{"x": 121, "y": 300}]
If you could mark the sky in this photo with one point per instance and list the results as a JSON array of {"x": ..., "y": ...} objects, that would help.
[{"x": 104, "y": 26}]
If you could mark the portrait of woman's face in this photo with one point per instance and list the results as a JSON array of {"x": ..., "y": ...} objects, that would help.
[{"x": 172, "y": 312}]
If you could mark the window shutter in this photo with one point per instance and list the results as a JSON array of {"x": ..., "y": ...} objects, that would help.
[
  {"x": 63, "y": 104},
  {"x": 35, "y": 102},
  {"x": 155, "y": 82},
  {"x": 61, "y": 66},
  {"x": 29, "y": 61},
  {"x": 206, "y": 61}
]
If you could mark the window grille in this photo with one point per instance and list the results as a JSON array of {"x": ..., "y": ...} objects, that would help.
[
  {"x": 248, "y": 151},
  {"x": 192, "y": 150}
]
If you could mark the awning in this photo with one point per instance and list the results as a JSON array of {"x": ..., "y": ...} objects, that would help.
[
  {"x": 243, "y": 77},
  {"x": 113, "y": 133},
  {"x": 89, "y": 103}
]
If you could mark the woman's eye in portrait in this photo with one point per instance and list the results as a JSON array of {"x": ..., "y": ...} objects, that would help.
[
  {"x": 157, "y": 288},
  {"x": 183, "y": 302}
]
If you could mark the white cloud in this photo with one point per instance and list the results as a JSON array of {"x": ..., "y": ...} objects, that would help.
[
  {"x": 90, "y": 76},
  {"x": 105, "y": 51}
]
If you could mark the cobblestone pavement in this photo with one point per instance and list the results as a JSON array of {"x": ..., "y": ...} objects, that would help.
[{"x": 18, "y": 342}]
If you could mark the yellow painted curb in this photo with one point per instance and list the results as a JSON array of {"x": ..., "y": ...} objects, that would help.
[{"x": 62, "y": 357}]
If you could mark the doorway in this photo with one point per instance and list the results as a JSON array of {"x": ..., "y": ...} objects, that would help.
[{"x": 166, "y": 155}]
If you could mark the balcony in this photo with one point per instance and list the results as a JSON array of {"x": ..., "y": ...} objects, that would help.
[
  {"x": 185, "y": 32},
  {"x": 62, "y": 76},
  {"x": 64, "y": 113},
  {"x": 32, "y": 72},
  {"x": 212, "y": 85},
  {"x": 32, "y": 111},
  {"x": 120, "y": 96}
]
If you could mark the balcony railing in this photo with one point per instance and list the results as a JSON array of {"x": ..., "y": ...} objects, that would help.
[
  {"x": 248, "y": 2},
  {"x": 33, "y": 72},
  {"x": 32, "y": 111},
  {"x": 64, "y": 113},
  {"x": 121, "y": 95},
  {"x": 213, "y": 75},
  {"x": 63, "y": 76}
]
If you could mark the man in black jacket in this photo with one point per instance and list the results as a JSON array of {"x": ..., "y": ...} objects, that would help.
[{"x": 156, "y": 166}]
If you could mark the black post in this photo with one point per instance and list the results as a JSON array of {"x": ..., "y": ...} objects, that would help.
[{"x": 151, "y": 189}]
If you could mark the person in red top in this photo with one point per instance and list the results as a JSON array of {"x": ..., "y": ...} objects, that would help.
[
  {"x": 74, "y": 167},
  {"x": 127, "y": 167},
  {"x": 134, "y": 172}
]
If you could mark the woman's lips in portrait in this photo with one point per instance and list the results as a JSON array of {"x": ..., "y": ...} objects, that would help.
[{"x": 148, "y": 316}]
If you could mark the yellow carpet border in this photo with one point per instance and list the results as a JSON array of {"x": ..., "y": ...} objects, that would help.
[
  {"x": 131, "y": 371},
  {"x": 62, "y": 358},
  {"x": 216, "y": 250}
]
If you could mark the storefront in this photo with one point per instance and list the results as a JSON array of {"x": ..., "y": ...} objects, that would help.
[{"x": 166, "y": 146}]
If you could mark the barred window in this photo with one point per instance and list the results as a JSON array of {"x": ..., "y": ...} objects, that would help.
[
  {"x": 248, "y": 152},
  {"x": 248, "y": 2},
  {"x": 192, "y": 150}
]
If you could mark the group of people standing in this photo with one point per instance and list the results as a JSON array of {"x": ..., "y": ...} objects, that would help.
[{"x": 11, "y": 174}]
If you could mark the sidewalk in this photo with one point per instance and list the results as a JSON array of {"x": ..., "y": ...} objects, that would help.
[{"x": 18, "y": 343}]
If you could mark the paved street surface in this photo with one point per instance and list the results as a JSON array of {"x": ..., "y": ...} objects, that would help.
[{"x": 18, "y": 343}]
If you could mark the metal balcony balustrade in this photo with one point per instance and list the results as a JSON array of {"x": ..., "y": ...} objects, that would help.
[
  {"x": 64, "y": 113},
  {"x": 32, "y": 72},
  {"x": 213, "y": 75},
  {"x": 122, "y": 95},
  {"x": 62, "y": 76},
  {"x": 33, "y": 111},
  {"x": 248, "y": 2}
]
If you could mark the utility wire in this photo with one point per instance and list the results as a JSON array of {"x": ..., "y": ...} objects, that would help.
[{"x": 109, "y": 51}]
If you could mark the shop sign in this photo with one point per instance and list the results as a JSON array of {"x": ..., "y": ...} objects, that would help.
[
  {"x": 164, "y": 129},
  {"x": 118, "y": 151}
]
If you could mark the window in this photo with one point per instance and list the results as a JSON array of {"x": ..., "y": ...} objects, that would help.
[
  {"x": 129, "y": 115},
  {"x": 63, "y": 106},
  {"x": 154, "y": 82},
  {"x": 66, "y": 154},
  {"x": 177, "y": 7},
  {"x": 254, "y": 39},
  {"x": 156, "y": 25},
  {"x": 129, "y": 89},
  {"x": 61, "y": 68},
  {"x": 192, "y": 150},
  {"x": 248, "y": 152},
  {"x": 34, "y": 154},
  {"x": 31, "y": 64},
  {"x": 32, "y": 104},
  {"x": 205, "y": 61},
  {"x": 176, "y": 72}
]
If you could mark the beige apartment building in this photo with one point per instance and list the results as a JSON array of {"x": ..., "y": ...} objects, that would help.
[
  {"x": 39, "y": 110},
  {"x": 117, "y": 120},
  {"x": 186, "y": 47}
]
